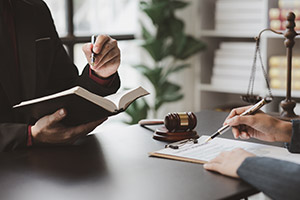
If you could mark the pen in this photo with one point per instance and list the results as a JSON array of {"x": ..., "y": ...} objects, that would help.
[
  {"x": 249, "y": 111},
  {"x": 93, "y": 40}
]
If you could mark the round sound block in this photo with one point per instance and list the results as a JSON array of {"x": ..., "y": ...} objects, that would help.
[{"x": 162, "y": 134}]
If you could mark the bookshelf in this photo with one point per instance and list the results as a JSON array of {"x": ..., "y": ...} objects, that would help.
[{"x": 212, "y": 96}]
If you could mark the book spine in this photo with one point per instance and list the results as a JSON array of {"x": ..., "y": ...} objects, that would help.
[
  {"x": 237, "y": 15},
  {"x": 232, "y": 53},
  {"x": 281, "y": 24},
  {"x": 227, "y": 82},
  {"x": 288, "y": 4},
  {"x": 233, "y": 65},
  {"x": 245, "y": 73},
  {"x": 278, "y": 72},
  {"x": 245, "y": 46},
  {"x": 239, "y": 5},
  {"x": 281, "y": 14}
]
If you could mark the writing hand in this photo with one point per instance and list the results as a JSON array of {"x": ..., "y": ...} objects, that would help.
[
  {"x": 260, "y": 126},
  {"x": 228, "y": 162},
  {"x": 107, "y": 55},
  {"x": 48, "y": 129}
]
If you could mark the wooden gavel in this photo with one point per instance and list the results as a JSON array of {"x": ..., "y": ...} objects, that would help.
[
  {"x": 175, "y": 122},
  {"x": 180, "y": 121}
]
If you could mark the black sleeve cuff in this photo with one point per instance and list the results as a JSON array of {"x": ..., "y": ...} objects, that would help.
[{"x": 294, "y": 146}]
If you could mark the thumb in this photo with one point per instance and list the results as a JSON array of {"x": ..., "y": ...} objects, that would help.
[
  {"x": 57, "y": 116},
  {"x": 212, "y": 166}
]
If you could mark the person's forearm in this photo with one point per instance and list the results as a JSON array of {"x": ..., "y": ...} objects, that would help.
[{"x": 276, "y": 178}]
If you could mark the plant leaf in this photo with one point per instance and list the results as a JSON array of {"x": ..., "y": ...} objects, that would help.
[
  {"x": 167, "y": 88},
  {"x": 146, "y": 34},
  {"x": 178, "y": 4},
  {"x": 156, "y": 11},
  {"x": 191, "y": 47},
  {"x": 137, "y": 110},
  {"x": 142, "y": 68},
  {"x": 160, "y": 101},
  {"x": 176, "y": 26},
  {"x": 153, "y": 75},
  {"x": 176, "y": 69},
  {"x": 155, "y": 48},
  {"x": 178, "y": 44}
]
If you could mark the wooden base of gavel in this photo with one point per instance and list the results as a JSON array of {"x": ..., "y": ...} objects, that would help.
[
  {"x": 165, "y": 135},
  {"x": 177, "y": 126}
]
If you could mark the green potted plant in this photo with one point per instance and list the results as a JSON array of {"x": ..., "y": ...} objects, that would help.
[{"x": 169, "y": 47}]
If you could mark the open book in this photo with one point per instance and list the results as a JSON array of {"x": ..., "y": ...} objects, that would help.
[
  {"x": 203, "y": 152},
  {"x": 81, "y": 105}
]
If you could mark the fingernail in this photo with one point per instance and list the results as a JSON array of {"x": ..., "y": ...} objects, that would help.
[
  {"x": 205, "y": 165},
  {"x": 62, "y": 112},
  {"x": 96, "y": 49}
]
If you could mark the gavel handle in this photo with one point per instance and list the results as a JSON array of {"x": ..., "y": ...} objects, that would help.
[
  {"x": 150, "y": 122},
  {"x": 147, "y": 122}
]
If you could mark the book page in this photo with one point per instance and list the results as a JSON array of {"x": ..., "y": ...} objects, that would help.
[
  {"x": 109, "y": 103},
  {"x": 45, "y": 98},
  {"x": 124, "y": 98},
  {"x": 203, "y": 152}
]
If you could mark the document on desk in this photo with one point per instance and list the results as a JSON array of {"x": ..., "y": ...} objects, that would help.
[{"x": 203, "y": 152}]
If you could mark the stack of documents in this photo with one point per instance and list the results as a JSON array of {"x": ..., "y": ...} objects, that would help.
[
  {"x": 233, "y": 66},
  {"x": 239, "y": 16}
]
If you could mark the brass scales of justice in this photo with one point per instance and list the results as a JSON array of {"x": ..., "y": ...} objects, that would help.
[{"x": 287, "y": 104}]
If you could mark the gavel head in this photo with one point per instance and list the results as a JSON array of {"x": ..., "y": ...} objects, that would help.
[{"x": 180, "y": 121}]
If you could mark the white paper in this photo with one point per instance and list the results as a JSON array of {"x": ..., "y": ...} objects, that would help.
[{"x": 206, "y": 151}]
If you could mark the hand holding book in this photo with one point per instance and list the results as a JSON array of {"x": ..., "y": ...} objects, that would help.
[
  {"x": 49, "y": 130},
  {"x": 67, "y": 115},
  {"x": 81, "y": 105}
]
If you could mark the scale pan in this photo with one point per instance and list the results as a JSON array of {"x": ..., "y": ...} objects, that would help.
[{"x": 252, "y": 99}]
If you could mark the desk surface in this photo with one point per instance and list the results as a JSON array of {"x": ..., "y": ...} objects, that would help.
[{"x": 115, "y": 165}]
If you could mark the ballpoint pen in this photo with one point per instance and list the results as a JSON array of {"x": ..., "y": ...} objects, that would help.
[
  {"x": 249, "y": 111},
  {"x": 93, "y": 40}
]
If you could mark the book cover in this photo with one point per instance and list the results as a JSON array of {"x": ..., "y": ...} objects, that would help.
[{"x": 81, "y": 105}]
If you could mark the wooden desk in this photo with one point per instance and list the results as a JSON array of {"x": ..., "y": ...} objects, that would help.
[{"x": 115, "y": 165}]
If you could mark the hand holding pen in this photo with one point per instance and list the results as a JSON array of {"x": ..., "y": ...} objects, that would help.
[
  {"x": 103, "y": 55},
  {"x": 245, "y": 111}
]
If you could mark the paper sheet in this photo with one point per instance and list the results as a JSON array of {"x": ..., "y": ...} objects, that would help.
[{"x": 202, "y": 153}]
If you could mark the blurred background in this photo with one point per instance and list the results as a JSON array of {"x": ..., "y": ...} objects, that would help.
[
  {"x": 77, "y": 20},
  {"x": 191, "y": 54}
]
